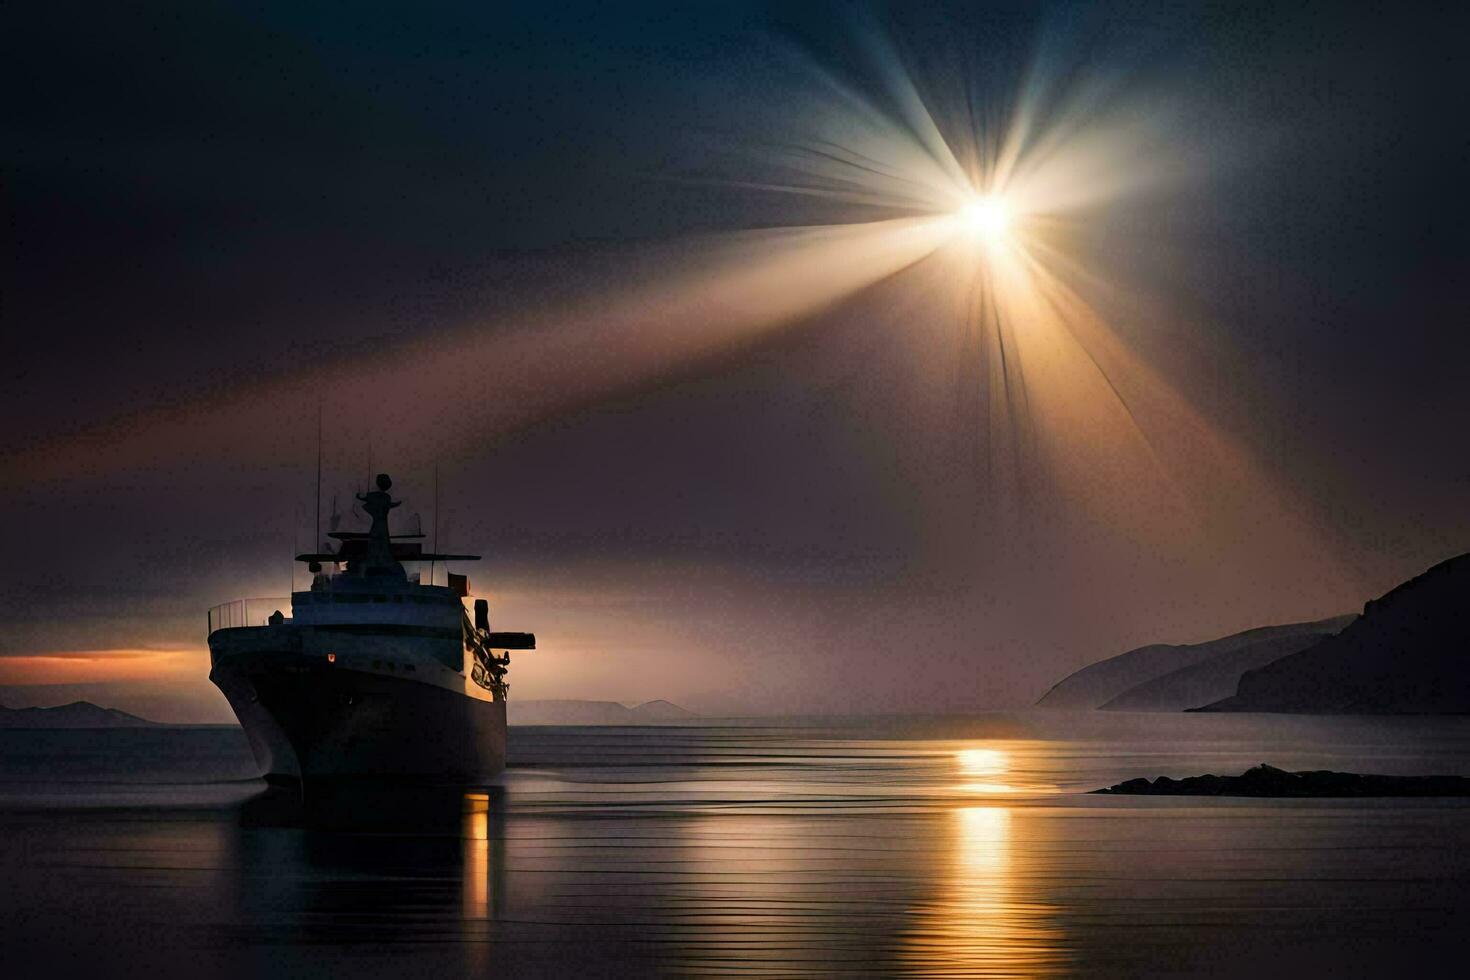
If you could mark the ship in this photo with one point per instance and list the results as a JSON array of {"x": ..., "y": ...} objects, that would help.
[{"x": 373, "y": 673}]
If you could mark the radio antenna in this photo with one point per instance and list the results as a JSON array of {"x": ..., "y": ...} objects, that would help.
[
  {"x": 316, "y": 541},
  {"x": 435, "y": 546}
]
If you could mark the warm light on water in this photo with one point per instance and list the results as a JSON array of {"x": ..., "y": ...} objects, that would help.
[
  {"x": 982, "y": 762},
  {"x": 476, "y": 836},
  {"x": 986, "y": 770},
  {"x": 752, "y": 851},
  {"x": 981, "y": 925}
]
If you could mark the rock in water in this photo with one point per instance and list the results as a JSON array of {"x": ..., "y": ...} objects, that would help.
[{"x": 1268, "y": 781}]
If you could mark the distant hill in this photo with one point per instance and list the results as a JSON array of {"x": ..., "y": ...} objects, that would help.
[
  {"x": 1217, "y": 677},
  {"x": 595, "y": 713},
  {"x": 1106, "y": 682},
  {"x": 78, "y": 714},
  {"x": 1407, "y": 654}
]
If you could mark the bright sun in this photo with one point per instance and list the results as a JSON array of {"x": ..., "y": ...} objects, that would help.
[{"x": 987, "y": 219}]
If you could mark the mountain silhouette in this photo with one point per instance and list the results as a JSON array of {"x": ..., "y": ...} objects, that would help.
[
  {"x": 78, "y": 714},
  {"x": 1217, "y": 677},
  {"x": 1405, "y": 655},
  {"x": 569, "y": 712},
  {"x": 1174, "y": 677}
]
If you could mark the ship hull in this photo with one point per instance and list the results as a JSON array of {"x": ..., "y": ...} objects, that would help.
[{"x": 307, "y": 720}]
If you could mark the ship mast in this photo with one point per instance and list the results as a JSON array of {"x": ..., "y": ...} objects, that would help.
[
  {"x": 435, "y": 544},
  {"x": 316, "y": 533}
]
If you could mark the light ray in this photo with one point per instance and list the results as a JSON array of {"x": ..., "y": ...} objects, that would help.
[{"x": 1074, "y": 431}]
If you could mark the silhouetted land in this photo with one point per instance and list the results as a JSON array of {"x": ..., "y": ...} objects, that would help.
[
  {"x": 1174, "y": 677},
  {"x": 78, "y": 714},
  {"x": 1404, "y": 655},
  {"x": 1268, "y": 781}
]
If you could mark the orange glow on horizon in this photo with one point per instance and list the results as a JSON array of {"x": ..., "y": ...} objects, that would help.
[{"x": 101, "y": 666}]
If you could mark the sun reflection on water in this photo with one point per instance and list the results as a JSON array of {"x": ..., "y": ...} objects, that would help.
[
  {"x": 983, "y": 762},
  {"x": 982, "y": 923},
  {"x": 981, "y": 767}
]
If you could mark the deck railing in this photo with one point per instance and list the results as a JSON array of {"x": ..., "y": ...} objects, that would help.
[{"x": 247, "y": 612}]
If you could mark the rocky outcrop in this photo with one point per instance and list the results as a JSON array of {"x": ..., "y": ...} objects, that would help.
[{"x": 1268, "y": 781}]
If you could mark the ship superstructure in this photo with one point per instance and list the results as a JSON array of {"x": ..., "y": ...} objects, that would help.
[{"x": 373, "y": 673}]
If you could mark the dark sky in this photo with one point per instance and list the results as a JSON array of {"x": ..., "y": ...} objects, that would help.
[{"x": 484, "y": 238}]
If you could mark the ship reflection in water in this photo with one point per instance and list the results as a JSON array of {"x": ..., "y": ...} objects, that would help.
[
  {"x": 732, "y": 865},
  {"x": 927, "y": 850},
  {"x": 361, "y": 861},
  {"x": 479, "y": 897}
]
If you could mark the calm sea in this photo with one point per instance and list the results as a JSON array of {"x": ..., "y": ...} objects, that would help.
[{"x": 940, "y": 847}]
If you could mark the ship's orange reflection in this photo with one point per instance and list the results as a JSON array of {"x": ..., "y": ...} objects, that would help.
[
  {"x": 476, "y": 836},
  {"x": 981, "y": 923}
]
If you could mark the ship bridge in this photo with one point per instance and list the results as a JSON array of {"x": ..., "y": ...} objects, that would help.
[{"x": 361, "y": 589}]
